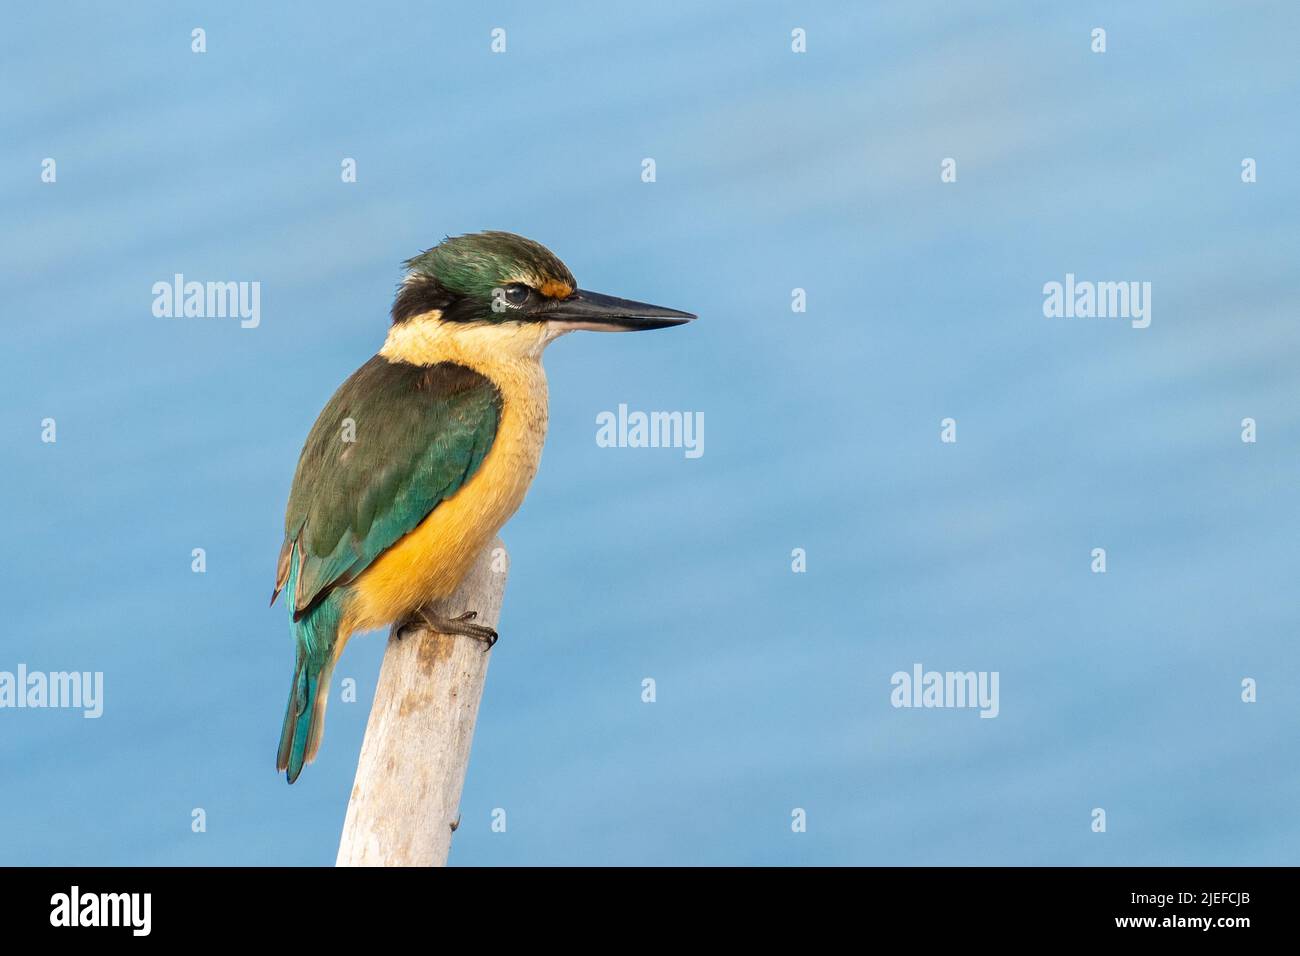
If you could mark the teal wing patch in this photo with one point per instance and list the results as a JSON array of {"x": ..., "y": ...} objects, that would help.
[{"x": 393, "y": 442}]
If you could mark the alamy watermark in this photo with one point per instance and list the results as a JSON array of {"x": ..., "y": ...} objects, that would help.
[
  {"x": 209, "y": 300},
  {"x": 72, "y": 690},
  {"x": 130, "y": 910},
  {"x": 922, "y": 688},
  {"x": 1074, "y": 299},
  {"x": 626, "y": 429}
]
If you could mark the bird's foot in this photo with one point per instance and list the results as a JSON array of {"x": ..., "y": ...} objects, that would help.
[{"x": 451, "y": 625}]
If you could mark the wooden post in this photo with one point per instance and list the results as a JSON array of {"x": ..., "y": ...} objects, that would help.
[{"x": 406, "y": 798}]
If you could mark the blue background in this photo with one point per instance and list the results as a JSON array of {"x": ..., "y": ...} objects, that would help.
[{"x": 775, "y": 171}]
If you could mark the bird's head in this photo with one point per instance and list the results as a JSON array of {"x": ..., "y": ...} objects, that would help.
[{"x": 500, "y": 287}]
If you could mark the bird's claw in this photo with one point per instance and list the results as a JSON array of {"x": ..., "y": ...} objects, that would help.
[{"x": 461, "y": 624}]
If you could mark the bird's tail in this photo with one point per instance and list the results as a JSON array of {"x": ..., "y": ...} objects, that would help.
[{"x": 316, "y": 635}]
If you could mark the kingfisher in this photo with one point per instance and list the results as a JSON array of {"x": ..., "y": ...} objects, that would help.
[{"x": 423, "y": 454}]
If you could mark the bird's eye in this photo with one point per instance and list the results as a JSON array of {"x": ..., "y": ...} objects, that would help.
[{"x": 517, "y": 293}]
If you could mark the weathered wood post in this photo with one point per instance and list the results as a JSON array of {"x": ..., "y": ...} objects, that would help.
[{"x": 406, "y": 798}]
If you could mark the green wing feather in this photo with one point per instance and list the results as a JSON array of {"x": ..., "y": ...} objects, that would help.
[{"x": 418, "y": 434}]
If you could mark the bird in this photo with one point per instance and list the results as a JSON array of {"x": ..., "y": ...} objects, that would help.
[{"x": 424, "y": 452}]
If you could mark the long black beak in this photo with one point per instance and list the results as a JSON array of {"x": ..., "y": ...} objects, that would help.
[{"x": 605, "y": 313}]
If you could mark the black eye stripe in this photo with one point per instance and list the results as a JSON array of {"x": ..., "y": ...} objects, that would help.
[{"x": 421, "y": 294}]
